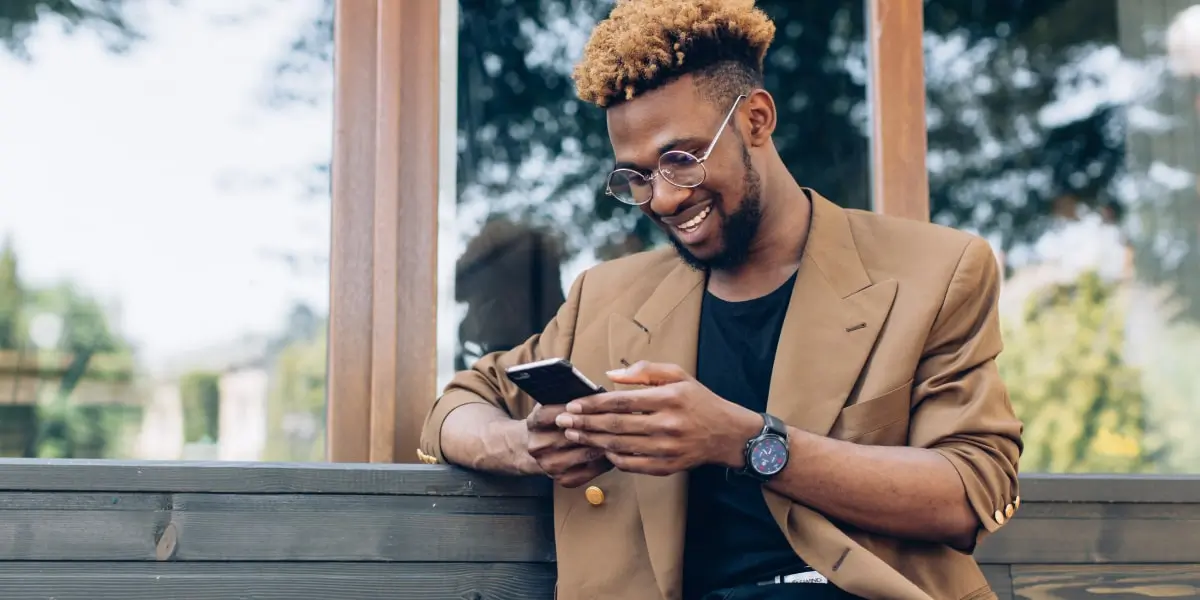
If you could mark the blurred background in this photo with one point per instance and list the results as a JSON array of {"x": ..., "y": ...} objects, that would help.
[{"x": 164, "y": 207}]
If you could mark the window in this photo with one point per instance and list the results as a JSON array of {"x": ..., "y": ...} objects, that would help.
[
  {"x": 1072, "y": 143},
  {"x": 164, "y": 229},
  {"x": 529, "y": 213}
]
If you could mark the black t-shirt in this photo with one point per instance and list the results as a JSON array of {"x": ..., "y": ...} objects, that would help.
[{"x": 732, "y": 539}]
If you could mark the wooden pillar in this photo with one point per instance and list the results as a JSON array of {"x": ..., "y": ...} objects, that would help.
[
  {"x": 899, "y": 180},
  {"x": 382, "y": 342}
]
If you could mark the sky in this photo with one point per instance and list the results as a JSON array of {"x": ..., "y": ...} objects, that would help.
[{"x": 140, "y": 177}]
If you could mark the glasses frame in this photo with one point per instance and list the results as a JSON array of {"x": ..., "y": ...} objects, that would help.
[{"x": 700, "y": 160}]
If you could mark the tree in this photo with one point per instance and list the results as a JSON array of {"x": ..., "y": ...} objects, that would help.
[
  {"x": 1082, "y": 406},
  {"x": 107, "y": 18}
]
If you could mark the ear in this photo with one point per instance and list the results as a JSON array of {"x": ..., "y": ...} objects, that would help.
[{"x": 762, "y": 118}]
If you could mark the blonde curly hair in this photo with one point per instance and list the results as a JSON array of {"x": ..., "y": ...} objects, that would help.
[{"x": 644, "y": 44}]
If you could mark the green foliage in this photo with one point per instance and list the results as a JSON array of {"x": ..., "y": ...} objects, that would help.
[
  {"x": 296, "y": 403},
  {"x": 1083, "y": 407},
  {"x": 200, "y": 396},
  {"x": 11, "y": 298}
]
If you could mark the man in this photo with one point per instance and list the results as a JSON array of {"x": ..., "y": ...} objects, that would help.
[{"x": 804, "y": 400}]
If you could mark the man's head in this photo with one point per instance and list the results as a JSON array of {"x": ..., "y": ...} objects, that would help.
[{"x": 681, "y": 81}]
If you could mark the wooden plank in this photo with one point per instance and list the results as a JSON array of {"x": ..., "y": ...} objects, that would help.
[
  {"x": 1000, "y": 578},
  {"x": 1067, "y": 582},
  {"x": 1110, "y": 488},
  {"x": 239, "y": 527},
  {"x": 275, "y": 581},
  {"x": 896, "y": 92},
  {"x": 1096, "y": 533},
  {"x": 351, "y": 250},
  {"x": 259, "y": 478},
  {"x": 407, "y": 183}
]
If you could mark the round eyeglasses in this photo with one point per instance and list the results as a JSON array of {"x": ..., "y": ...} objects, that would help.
[{"x": 679, "y": 168}]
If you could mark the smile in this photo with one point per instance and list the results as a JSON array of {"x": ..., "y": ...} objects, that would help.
[{"x": 694, "y": 223}]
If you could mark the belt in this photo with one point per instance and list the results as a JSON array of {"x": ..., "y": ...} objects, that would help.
[{"x": 804, "y": 577}]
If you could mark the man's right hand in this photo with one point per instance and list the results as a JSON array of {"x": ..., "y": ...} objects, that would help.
[{"x": 569, "y": 464}]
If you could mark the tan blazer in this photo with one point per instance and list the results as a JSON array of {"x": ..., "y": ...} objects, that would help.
[{"x": 890, "y": 339}]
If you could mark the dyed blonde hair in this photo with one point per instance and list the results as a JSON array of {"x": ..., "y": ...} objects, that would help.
[{"x": 644, "y": 44}]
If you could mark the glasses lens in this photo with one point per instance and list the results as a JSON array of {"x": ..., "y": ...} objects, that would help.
[
  {"x": 681, "y": 169},
  {"x": 629, "y": 186}
]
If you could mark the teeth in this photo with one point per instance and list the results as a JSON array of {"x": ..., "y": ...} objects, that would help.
[{"x": 695, "y": 221}]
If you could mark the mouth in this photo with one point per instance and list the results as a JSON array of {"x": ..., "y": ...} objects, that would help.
[
  {"x": 691, "y": 219},
  {"x": 690, "y": 225}
]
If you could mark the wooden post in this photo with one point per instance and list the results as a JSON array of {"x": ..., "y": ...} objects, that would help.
[
  {"x": 899, "y": 180},
  {"x": 383, "y": 307}
]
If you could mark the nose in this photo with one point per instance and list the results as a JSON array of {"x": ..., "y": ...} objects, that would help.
[{"x": 668, "y": 198}]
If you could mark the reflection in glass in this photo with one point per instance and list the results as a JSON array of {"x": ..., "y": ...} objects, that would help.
[
  {"x": 1073, "y": 144},
  {"x": 533, "y": 160},
  {"x": 164, "y": 229}
]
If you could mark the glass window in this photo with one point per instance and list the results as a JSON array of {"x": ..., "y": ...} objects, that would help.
[
  {"x": 529, "y": 213},
  {"x": 1073, "y": 144},
  {"x": 164, "y": 229}
]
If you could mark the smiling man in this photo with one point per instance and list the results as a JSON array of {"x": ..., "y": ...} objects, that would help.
[{"x": 804, "y": 399}]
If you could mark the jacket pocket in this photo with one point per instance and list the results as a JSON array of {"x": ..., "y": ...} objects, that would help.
[{"x": 887, "y": 411}]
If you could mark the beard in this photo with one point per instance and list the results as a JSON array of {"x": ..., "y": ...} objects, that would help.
[{"x": 738, "y": 229}]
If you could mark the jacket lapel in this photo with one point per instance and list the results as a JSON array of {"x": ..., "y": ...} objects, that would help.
[
  {"x": 834, "y": 318},
  {"x": 665, "y": 329}
]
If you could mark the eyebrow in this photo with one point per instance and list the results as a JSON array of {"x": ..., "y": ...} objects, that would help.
[{"x": 671, "y": 145}]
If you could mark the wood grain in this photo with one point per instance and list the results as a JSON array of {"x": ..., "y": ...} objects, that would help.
[
  {"x": 896, "y": 92},
  {"x": 248, "y": 527},
  {"x": 1068, "y": 582},
  {"x": 276, "y": 581},
  {"x": 259, "y": 478},
  {"x": 351, "y": 255}
]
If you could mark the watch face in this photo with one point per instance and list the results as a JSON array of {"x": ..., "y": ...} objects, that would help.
[{"x": 769, "y": 455}]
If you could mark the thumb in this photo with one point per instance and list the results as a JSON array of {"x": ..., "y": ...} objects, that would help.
[{"x": 648, "y": 373}]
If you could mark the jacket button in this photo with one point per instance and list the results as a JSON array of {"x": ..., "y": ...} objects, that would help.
[
  {"x": 1008, "y": 511},
  {"x": 595, "y": 495},
  {"x": 999, "y": 516}
]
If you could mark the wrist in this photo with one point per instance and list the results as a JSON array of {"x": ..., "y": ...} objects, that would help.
[
  {"x": 509, "y": 438},
  {"x": 746, "y": 425}
]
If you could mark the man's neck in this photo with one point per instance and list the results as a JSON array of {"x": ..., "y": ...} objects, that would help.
[{"x": 775, "y": 254}]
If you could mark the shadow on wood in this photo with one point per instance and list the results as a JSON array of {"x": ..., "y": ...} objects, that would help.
[{"x": 139, "y": 530}]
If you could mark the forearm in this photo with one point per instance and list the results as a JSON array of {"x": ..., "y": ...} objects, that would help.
[
  {"x": 904, "y": 492},
  {"x": 482, "y": 437}
]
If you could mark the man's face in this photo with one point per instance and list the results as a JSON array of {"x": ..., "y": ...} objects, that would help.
[{"x": 712, "y": 225}]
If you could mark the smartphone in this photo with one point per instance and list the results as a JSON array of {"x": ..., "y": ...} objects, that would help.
[{"x": 552, "y": 381}]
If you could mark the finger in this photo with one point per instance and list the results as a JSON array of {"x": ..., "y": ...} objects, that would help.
[
  {"x": 608, "y": 423},
  {"x": 649, "y": 373},
  {"x": 645, "y": 465},
  {"x": 582, "y": 474},
  {"x": 542, "y": 442},
  {"x": 561, "y": 462},
  {"x": 542, "y": 417},
  {"x": 644, "y": 400},
  {"x": 621, "y": 444}
]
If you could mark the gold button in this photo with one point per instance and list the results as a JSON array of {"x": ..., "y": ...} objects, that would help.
[
  {"x": 595, "y": 495},
  {"x": 1017, "y": 502},
  {"x": 999, "y": 517},
  {"x": 1008, "y": 511},
  {"x": 420, "y": 455}
]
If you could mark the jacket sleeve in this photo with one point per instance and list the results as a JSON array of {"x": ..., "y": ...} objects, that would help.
[
  {"x": 486, "y": 383},
  {"x": 961, "y": 406}
]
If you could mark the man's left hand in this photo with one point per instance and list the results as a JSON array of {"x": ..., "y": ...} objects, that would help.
[{"x": 671, "y": 425}]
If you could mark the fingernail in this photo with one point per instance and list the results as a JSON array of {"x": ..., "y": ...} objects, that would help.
[
  {"x": 572, "y": 435},
  {"x": 574, "y": 407},
  {"x": 616, "y": 372},
  {"x": 564, "y": 421}
]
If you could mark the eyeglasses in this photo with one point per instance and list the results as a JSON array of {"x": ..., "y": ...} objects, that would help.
[{"x": 679, "y": 168}]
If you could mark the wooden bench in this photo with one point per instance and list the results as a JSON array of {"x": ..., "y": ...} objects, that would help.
[{"x": 147, "y": 530}]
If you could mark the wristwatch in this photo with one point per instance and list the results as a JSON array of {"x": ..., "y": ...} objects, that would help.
[{"x": 766, "y": 454}]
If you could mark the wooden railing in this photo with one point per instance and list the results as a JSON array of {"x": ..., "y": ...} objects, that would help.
[{"x": 140, "y": 530}]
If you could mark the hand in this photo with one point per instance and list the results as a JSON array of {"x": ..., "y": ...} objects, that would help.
[
  {"x": 672, "y": 425},
  {"x": 570, "y": 464}
]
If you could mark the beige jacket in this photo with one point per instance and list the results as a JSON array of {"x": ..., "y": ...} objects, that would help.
[{"x": 890, "y": 339}]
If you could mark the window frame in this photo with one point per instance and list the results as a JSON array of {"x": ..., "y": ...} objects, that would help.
[{"x": 382, "y": 361}]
